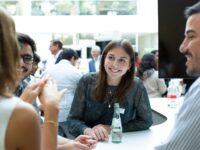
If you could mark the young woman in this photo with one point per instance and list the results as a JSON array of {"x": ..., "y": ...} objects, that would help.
[
  {"x": 19, "y": 123},
  {"x": 92, "y": 108}
]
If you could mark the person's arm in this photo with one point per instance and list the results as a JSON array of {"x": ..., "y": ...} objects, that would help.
[
  {"x": 142, "y": 108},
  {"x": 62, "y": 140},
  {"x": 23, "y": 130},
  {"x": 162, "y": 87},
  {"x": 31, "y": 92},
  {"x": 49, "y": 98},
  {"x": 81, "y": 142}
]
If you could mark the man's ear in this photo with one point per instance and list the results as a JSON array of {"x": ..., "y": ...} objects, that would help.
[{"x": 72, "y": 60}]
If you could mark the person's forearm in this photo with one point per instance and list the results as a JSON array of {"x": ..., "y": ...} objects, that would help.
[
  {"x": 50, "y": 129},
  {"x": 62, "y": 140},
  {"x": 49, "y": 136}
]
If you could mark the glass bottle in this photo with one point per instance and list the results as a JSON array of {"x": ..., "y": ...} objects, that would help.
[
  {"x": 116, "y": 132},
  {"x": 172, "y": 94}
]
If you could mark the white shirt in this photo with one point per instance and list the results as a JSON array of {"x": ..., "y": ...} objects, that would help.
[
  {"x": 155, "y": 87},
  {"x": 7, "y": 106},
  {"x": 51, "y": 61},
  {"x": 66, "y": 76},
  {"x": 97, "y": 64}
]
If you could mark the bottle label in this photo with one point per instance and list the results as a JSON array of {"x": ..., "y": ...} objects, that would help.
[
  {"x": 121, "y": 110},
  {"x": 172, "y": 101},
  {"x": 116, "y": 132},
  {"x": 171, "y": 96}
]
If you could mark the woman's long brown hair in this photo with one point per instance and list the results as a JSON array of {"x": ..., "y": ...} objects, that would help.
[{"x": 9, "y": 55}]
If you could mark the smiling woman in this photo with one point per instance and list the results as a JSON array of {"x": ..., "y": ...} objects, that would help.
[{"x": 93, "y": 105}]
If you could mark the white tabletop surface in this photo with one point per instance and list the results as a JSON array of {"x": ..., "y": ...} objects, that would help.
[{"x": 148, "y": 139}]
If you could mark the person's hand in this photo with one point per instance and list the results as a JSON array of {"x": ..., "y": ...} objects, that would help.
[
  {"x": 74, "y": 145},
  {"x": 99, "y": 132},
  {"x": 31, "y": 92},
  {"x": 49, "y": 99},
  {"x": 87, "y": 140}
]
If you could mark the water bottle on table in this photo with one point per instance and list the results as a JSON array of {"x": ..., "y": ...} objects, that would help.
[
  {"x": 116, "y": 132},
  {"x": 173, "y": 92}
]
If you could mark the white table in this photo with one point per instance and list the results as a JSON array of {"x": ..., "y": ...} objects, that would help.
[{"x": 148, "y": 139}]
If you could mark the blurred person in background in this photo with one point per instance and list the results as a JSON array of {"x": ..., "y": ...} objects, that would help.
[
  {"x": 156, "y": 54},
  {"x": 137, "y": 61},
  {"x": 36, "y": 60},
  {"x": 95, "y": 61},
  {"x": 147, "y": 72},
  {"x": 56, "y": 47},
  {"x": 66, "y": 76}
]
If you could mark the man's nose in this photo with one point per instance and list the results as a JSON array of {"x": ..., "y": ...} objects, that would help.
[{"x": 183, "y": 47}]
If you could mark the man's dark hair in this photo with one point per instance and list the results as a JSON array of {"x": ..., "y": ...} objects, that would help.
[
  {"x": 67, "y": 54},
  {"x": 57, "y": 42},
  {"x": 25, "y": 39},
  {"x": 36, "y": 58},
  {"x": 192, "y": 10}
]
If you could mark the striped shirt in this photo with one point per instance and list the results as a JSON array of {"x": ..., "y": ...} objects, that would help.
[{"x": 186, "y": 132}]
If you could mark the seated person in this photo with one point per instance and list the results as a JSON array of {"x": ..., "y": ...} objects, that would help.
[
  {"x": 147, "y": 72},
  {"x": 19, "y": 124},
  {"x": 93, "y": 105},
  {"x": 66, "y": 76}
]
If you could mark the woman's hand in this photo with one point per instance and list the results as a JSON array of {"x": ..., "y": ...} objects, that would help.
[
  {"x": 49, "y": 98},
  {"x": 87, "y": 140},
  {"x": 82, "y": 142},
  {"x": 31, "y": 92},
  {"x": 73, "y": 145},
  {"x": 99, "y": 132}
]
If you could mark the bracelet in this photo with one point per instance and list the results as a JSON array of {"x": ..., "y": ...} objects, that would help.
[{"x": 51, "y": 122}]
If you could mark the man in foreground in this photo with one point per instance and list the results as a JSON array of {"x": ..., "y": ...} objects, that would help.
[{"x": 186, "y": 132}]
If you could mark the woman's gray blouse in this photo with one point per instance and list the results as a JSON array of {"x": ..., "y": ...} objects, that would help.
[{"x": 86, "y": 111}]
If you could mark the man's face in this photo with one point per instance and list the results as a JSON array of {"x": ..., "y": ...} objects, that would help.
[
  {"x": 95, "y": 54},
  {"x": 53, "y": 48},
  {"x": 26, "y": 66},
  {"x": 190, "y": 46},
  {"x": 34, "y": 68}
]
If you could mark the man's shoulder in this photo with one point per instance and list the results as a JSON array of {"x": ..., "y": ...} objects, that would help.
[
  {"x": 196, "y": 84},
  {"x": 194, "y": 89}
]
